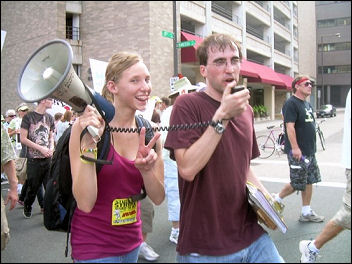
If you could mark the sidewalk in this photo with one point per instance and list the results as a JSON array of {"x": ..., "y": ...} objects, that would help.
[{"x": 263, "y": 124}]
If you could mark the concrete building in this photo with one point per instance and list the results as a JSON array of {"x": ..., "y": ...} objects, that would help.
[
  {"x": 267, "y": 30},
  {"x": 334, "y": 51}
]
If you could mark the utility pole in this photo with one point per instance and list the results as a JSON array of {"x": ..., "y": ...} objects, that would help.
[{"x": 175, "y": 39}]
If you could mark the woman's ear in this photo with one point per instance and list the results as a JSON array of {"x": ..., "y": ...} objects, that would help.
[{"x": 112, "y": 87}]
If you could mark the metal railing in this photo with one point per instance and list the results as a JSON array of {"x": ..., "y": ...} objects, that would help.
[
  {"x": 72, "y": 32},
  {"x": 254, "y": 32},
  {"x": 221, "y": 11}
]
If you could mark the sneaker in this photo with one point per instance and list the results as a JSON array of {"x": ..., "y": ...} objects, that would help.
[
  {"x": 147, "y": 252},
  {"x": 27, "y": 213},
  {"x": 174, "y": 235},
  {"x": 312, "y": 217},
  {"x": 20, "y": 202},
  {"x": 279, "y": 206},
  {"x": 308, "y": 256}
]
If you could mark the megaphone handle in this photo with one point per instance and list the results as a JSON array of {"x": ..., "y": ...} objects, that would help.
[{"x": 94, "y": 133}]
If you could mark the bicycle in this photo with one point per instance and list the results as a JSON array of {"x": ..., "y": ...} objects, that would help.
[
  {"x": 268, "y": 144},
  {"x": 320, "y": 133}
]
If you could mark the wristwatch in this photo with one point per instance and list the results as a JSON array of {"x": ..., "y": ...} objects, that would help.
[{"x": 218, "y": 126}]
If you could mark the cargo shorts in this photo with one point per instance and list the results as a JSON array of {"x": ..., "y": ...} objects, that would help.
[
  {"x": 343, "y": 216},
  {"x": 303, "y": 173}
]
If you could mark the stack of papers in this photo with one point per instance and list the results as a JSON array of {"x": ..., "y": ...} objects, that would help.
[{"x": 258, "y": 200}]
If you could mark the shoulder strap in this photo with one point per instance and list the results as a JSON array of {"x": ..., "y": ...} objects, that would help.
[
  {"x": 103, "y": 143},
  {"x": 142, "y": 122},
  {"x": 103, "y": 148}
]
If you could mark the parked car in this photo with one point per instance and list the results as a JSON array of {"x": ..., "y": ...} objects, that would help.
[{"x": 326, "y": 110}]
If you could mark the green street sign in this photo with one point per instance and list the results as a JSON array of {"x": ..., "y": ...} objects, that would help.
[
  {"x": 167, "y": 34},
  {"x": 185, "y": 44}
]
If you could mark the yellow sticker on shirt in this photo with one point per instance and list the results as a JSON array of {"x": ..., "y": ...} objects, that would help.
[{"x": 124, "y": 211}]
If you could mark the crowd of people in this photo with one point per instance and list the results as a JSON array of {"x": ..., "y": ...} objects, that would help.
[{"x": 188, "y": 167}]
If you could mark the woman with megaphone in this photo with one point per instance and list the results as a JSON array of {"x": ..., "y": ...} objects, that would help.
[{"x": 106, "y": 224}]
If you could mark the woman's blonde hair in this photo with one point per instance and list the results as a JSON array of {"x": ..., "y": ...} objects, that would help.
[{"x": 118, "y": 63}]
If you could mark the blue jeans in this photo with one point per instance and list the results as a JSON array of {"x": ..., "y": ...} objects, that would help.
[
  {"x": 131, "y": 257},
  {"x": 171, "y": 189},
  {"x": 262, "y": 250}
]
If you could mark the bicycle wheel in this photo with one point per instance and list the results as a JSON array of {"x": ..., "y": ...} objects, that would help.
[
  {"x": 322, "y": 139},
  {"x": 266, "y": 146}
]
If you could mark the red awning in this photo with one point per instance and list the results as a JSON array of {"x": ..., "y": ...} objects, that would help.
[
  {"x": 189, "y": 54},
  {"x": 286, "y": 79},
  {"x": 249, "y": 69},
  {"x": 254, "y": 71},
  {"x": 266, "y": 74}
]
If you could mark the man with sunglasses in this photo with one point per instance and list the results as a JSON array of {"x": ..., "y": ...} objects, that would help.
[
  {"x": 300, "y": 147},
  {"x": 10, "y": 114}
]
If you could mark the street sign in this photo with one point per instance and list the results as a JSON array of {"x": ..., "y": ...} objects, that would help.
[
  {"x": 185, "y": 44},
  {"x": 167, "y": 34},
  {"x": 172, "y": 82}
]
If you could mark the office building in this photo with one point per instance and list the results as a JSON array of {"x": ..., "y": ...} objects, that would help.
[
  {"x": 334, "y": 51},
  {"x": 267, "y": 30}
]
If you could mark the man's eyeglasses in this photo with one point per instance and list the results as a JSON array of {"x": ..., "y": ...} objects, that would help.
[
  {"x": 308, "y": 83},
  {"x": 222, "y": 63},
  {"x": 12, "y": 116}
]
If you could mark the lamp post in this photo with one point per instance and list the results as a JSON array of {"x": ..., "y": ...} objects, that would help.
[{"x": 322, "y": 65}]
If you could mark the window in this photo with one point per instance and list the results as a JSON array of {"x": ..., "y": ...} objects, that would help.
[
  {"x": 336, "y": 69},
  {"x": 335, "y": 46},
  {"x": 72, "y": 30},
  {"x": 344, "y": 21}
]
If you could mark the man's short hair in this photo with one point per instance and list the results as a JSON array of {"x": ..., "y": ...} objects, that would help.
[{"x": 218, "y": 41}]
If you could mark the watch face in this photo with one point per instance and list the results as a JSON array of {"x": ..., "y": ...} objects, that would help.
[{"x": 219, "y": 128}]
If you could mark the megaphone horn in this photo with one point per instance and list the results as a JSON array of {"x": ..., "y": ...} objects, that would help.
[{"x": 49, "y": 73}]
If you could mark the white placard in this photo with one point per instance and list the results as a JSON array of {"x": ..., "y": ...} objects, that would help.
[
  {"x": 172, "y": 82},
  {"x": 3, "y": 36},
  {"x": 98, "y": 69}
]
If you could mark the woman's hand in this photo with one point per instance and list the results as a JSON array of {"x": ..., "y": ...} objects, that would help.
[
  {"x": 91, "y": 117},
  {"x": 146, "y": 156}
]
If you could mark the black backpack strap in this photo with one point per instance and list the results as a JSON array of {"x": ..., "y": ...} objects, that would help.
[
  {"x": 72, "y": 209},
  {"x": 103, "y": 149},
  {"x": 137, "y": 197},
  {"x": 142, "y": 122},
  {"x": 100, "y": 160}
]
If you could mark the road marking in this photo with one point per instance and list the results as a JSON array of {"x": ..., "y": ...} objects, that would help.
[
  {"x": 320, "y": 164},
  {"x": 324, "y": 184}
]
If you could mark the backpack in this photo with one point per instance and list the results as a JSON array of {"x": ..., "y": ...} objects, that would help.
[{"x": 59, "y": 203}]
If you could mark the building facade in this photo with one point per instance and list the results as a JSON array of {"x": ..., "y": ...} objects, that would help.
[
  {"x": 334, "y": 51},
  {"x": 267, "y": 30}
]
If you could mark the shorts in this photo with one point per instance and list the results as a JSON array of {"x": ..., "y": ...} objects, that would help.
[
  {"x": 302, "y": 173},
  {"x": 147, "y": 215},
  {"x": 171, "y": 190},
  {"x": 343, "y": 216},
  {"x": 5, "y": 231}
]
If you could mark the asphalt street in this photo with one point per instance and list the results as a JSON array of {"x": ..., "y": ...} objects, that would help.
[{"x": 32, "y": 243}]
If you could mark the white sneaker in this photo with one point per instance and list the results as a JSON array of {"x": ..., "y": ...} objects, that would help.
[
  {"x": 308, "y": 256},
  {"x": 174, "y": 235},
  {"x": 147, "y": 252}
]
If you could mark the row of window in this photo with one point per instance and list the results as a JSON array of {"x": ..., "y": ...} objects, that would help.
[
  {"x": 342, "y": 21},
  {"x": 334, "y": 46},
  {"x": 336, "y": 69}
]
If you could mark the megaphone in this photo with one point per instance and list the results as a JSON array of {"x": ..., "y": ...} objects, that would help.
[{"x": 49, "y": 73}]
